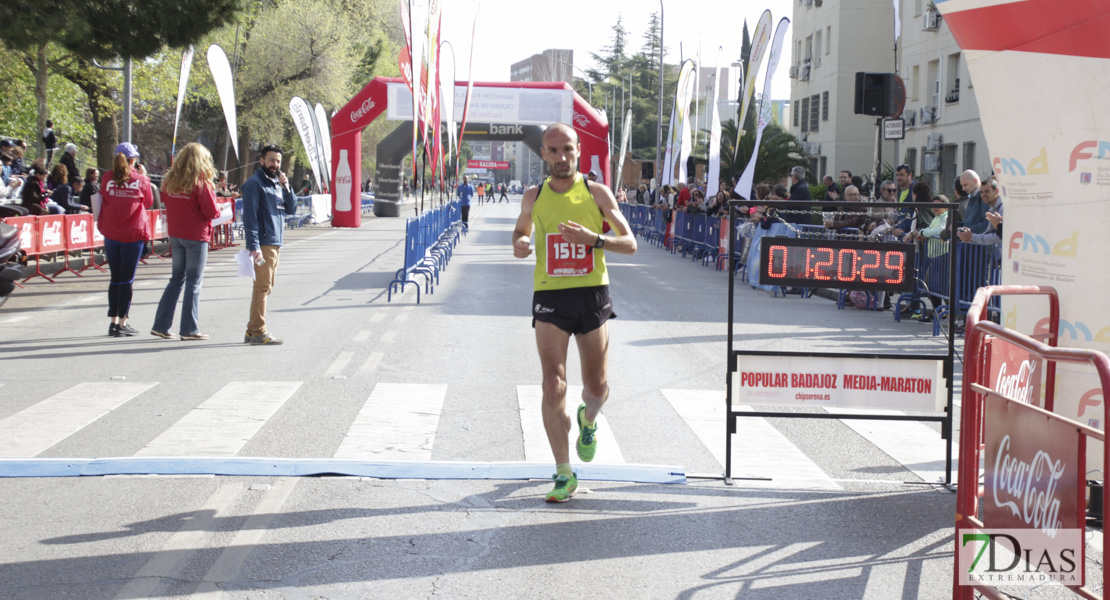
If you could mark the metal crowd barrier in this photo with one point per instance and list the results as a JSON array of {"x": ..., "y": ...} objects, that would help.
[{"x": 429, "y": 242}]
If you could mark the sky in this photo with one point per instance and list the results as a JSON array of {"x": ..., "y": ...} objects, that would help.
[{"x": 510, "y": 31}]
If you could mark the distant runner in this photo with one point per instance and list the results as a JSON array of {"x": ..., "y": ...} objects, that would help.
[{"x": 571, "y": 292}]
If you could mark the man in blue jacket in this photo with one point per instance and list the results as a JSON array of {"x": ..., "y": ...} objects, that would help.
[{"x": 263, "y": 194}]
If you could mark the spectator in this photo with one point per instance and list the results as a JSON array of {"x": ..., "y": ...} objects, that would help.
[
  {"x": 642, "y": 195},
  {"x": 989, "y": 195},
  {"x": 719, "y": 206},
  {"x": 481, "y": 189},
  {"x": 846, "y": 180},
  {"x": 306, "y": 185},
  {"x": 936, "y": 225},
  {"x": 832, "y": 192},
  {"x": 856, "y": 219},
  {"x": 34, "y": 195},
  {"x": 69, "y": 160},
  {"x": 975, "y": 216},
  {"x": 666, "y": 197},
  {"x": 903, "y": 176},
  {"x": 682, "y": 195},
  {"x": 123, "y": 222},
  {"x": 49, "y": 141},
  {"x": 622, "y": 195},
  {"x": 64, "y": 194},
  {"x": 921, "y": 190},
  {"x": 92, "y": 186},
  {"x": 891, "y": 221},
  {"x": 696, "y": 206},
  {"x": 593, "y": 176},
  {"x": 18, "y": 168},
  {"x": 225, "y": 189},
  {"x": 799, "y": 191},
  {"x": 190, "y": 209},
  {"x": 10, "y": 184}
]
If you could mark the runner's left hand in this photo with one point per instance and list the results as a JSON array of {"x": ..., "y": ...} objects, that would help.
[{"x": 577, "y": 234}]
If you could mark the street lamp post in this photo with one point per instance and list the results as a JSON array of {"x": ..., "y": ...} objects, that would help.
[{"x": 589, "y": 84}]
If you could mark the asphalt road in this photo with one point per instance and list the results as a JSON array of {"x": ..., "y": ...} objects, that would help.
[{"x": 820, "y": 508}]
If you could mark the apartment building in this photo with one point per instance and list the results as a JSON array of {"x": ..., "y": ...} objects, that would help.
[{"x": 833, "y": 39}]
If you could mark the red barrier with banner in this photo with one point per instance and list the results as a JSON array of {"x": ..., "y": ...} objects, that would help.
[
  {"x": 78, "y": 237},
  {"x": 158, "y": 231},
  {"x": 50, "y": 237},
  {"x": 28, "y": 241},
  {"x": 97, "y": 242}
]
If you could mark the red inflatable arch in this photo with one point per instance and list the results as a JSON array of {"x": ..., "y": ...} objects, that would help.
[{"x": 349, "y": 121}]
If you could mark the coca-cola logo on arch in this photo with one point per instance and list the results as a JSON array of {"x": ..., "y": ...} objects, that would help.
[{"x": 362, "y": 110}]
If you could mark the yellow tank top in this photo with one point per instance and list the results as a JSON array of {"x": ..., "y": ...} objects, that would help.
[{"x": 561, "y": 265}]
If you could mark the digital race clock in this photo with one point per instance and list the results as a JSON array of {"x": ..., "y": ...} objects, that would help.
[{"x": 840, "y": 264}]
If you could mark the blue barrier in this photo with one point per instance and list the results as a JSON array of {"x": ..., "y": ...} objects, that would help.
[{"x": 429, "y": 242}]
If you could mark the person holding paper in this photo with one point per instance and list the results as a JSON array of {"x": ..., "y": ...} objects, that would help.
[
  {"x": 263, "y": 193},
  {"x": 190, "y": 201}
]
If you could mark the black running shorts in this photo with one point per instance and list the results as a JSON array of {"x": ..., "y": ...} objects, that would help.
[{"x": 574, "y": 310}]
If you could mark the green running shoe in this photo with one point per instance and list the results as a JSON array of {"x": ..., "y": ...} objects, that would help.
[
  {"x": 587, "y": 440},
  {"x": 565, "y": 487}
]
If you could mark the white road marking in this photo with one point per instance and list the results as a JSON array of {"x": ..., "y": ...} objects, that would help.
[
  {"x": 388, "y": 336},
  {"x": 919, "y": 448},
  {"x": 758, "y": 449},
  {"x": 38, "y": 427},
  {"x": 362, "y": 336},
  {"x": 378, "y": 316},
  {"x": 339, "y": 363},
  {"x": 249, "y": 535},
  {"x": 192, "y": 536},
  {"x": 16, "y": 319},
  {"x": 223, "y": 424},
  {"x": 397, "y": 422},
  {"x": 371, "y": 362},
  {"x": 536, "y": 446}
]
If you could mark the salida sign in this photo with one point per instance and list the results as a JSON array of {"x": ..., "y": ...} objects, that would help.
[{"x": 487, "y": 164}]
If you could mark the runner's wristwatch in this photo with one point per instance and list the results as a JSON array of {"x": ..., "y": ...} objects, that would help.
[{"x": 600, "y": 243}]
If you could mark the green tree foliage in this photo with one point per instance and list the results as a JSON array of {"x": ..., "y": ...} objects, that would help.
[
  {"x": 638, "y": 76},
  {"x": 105, "y": 29},
  {"x": 779, "y": 151}
]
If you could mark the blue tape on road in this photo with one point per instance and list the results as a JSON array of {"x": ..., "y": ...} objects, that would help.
[{"x": 304, "y": 467}]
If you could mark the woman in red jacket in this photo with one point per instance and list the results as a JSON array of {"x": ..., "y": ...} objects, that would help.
[
  {"x": 190, "y": 201},
  {"x": 123, "y": 222}
]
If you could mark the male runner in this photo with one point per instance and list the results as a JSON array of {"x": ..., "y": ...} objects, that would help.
[{"x": 571, "y": 292}]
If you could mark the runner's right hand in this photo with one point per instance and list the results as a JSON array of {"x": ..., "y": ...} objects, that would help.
[{"x": 521, "y": 248}]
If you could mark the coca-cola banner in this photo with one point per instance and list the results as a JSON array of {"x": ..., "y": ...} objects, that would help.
[
  {"x": 1034, "y": 473},
  {"x": 78, "y": 232},
  {"x": 840, "y": 382},
  {"x": 51, "y": 234},
  {"x": 1015, "y": 373},
  {"x": 487, "y": 164},
  {"x": 27, "y": 239}
]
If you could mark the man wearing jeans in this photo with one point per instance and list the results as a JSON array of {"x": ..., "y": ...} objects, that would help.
[{"x": 263, "y": 193}]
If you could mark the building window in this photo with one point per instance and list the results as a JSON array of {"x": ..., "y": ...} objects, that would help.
[
  {"x": 917, "y": 8},
  {"x": 911, "y": 158},
  {"x": 952, "y": 77},
  {"x": 828, "y": 39},
  {"x": 824, "y": 167},
  {"x": 947, "y": 165},
  {"x": 824, "y": 106},
  {"x": 969, "y": 155},
  {"x": 805, "y": 114},
  {"x": 914, "y": 82},
  {"x": 817, "y": 44},
  {"x": 794, "y": 111},
  {"x": 814, "y": 111}
]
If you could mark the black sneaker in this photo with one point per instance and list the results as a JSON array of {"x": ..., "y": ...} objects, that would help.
[
  {"x": 264, "y": 339},
  {"x": 127, "y": 330},
  {"x": 113, "y": 330}
]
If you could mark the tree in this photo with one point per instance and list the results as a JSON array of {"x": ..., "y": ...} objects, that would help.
[
  {"x": 102, "y": 29},
  {"x": 779, "y": 151}
]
